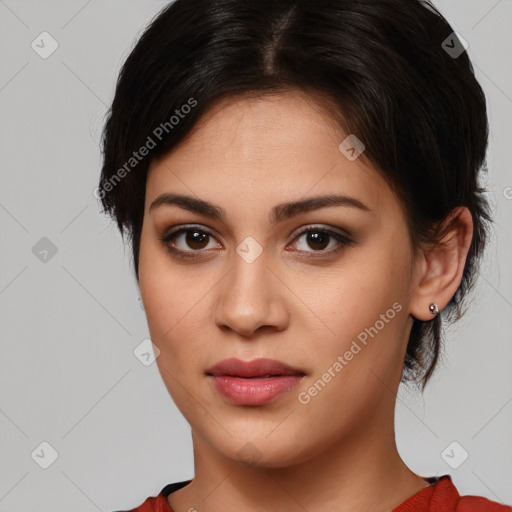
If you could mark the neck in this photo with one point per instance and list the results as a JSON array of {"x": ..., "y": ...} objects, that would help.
[{"x": 358, "y": 472}]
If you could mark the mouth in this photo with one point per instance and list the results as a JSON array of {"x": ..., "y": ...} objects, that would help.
[
  {"x": 253, "y": 383},
  {"x": 262, "y": 368}
]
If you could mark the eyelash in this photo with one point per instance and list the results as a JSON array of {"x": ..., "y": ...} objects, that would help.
[{"x": 342, "y": 240}]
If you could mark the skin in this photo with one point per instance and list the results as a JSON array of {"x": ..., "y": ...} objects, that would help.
[{"x": 247, "y": 155}]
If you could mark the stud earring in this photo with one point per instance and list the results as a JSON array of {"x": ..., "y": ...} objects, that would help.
[{"x": 433, "y": 308}]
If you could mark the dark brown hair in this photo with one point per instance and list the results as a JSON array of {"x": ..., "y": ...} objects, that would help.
[{"x": 393, "y": 71}]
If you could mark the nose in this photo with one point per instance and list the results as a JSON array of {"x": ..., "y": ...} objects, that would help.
[{"x": 251, "y": 297}]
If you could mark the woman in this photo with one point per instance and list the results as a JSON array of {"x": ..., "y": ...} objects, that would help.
[{"x": 299, "y": 183}]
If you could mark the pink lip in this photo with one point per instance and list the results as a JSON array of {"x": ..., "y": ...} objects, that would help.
[
  {"x": 255, "y": 382},
  {"x": 256, "y": 368}
]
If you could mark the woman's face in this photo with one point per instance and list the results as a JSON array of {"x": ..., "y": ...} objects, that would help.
[{"x": 252, "y": 284}]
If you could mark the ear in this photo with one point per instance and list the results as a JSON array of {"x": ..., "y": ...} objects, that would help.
[{"x": 440, "y": 266}]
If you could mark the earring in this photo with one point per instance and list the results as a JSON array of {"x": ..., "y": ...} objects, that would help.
[{"x": 433, "y": 308}]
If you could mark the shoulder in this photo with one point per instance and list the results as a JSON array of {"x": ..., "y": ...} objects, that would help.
[
  {"x": 480, "y": 504},
  {"x": 442, "y": 496},
  {"x": 159, "y": 503},
  {"x": 445, "y": 493},
  {"x": 152, "y": 504},
  {"x": 148, "y": 506}
]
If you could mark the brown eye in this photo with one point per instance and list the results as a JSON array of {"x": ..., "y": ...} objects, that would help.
[
  {"x": 191, "y": 243},
  {"x": 319, "y": 239},
  {"x": 187, "y": 242},
  {"x": 195, "y": 239}
]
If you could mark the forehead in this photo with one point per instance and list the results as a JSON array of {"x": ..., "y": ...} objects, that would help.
[
  {"x": 272, "y": 148},
  {"x": 279, "y": 121}
]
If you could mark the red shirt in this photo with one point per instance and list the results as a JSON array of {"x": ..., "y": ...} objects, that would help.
[{"x": 441, "y": 496}]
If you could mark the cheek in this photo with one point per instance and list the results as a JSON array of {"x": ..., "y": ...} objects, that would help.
[
  {"x": 174, "y": 311},
  {"x": 163, "y": 290},
  {"x": 176, "y": 305},
  {"x": 163, "y": 304},
  {"x": 174, "y": 314},
  {"x": 364, "y": 305}
]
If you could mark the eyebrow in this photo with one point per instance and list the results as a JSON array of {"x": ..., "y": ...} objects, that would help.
[{"x": 279, "y": 212}]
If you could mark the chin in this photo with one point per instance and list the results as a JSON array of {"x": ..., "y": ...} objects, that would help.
[{"x": 274, "y": 451}]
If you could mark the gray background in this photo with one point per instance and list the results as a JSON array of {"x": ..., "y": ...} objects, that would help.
[{"x": 70, "y": 324}]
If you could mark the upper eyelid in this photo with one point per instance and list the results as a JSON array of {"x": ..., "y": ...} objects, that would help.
[
  {"x": 296, "y": 233},
  {"x": 320, "y": 227},
  {"x": 186, "y": 227}
]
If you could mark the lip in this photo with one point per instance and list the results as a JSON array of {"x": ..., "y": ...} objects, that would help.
[
  {"x": 255, "y": 382},
  {"x": 261, "y": 367}
]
